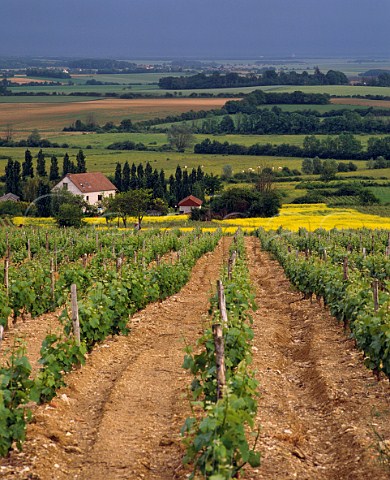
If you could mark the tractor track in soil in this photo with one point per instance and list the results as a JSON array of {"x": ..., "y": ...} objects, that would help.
[
  {"x": 319, "y": 404},
  {"x": 121, "y": 414}
]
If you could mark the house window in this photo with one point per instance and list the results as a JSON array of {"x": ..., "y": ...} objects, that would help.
[
  {"x": 65, "y": 186},
  {"x": 87, "y": 198},
  {"x": 100, "y": 198}
]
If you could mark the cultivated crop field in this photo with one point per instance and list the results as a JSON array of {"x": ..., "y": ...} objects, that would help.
[
  {"x": 112, "y": 377},
  {"x": 24, "y": 117}
]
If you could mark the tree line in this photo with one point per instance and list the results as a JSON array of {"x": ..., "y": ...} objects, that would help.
[
  {"x": 172, "y": 190},
  {"x": 277, "y": 121},
  {"x": 343, "y": 146},
  {"x": 269, "y": 77},
  {"x": 28, "y": 183}
]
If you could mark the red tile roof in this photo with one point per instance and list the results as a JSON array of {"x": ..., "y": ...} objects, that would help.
[
  {"x": 190, "y": 201},
  {"x": 91, "y": 182}
]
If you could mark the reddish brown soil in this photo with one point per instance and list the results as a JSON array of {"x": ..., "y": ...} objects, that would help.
[
  {"x": 31, "y": 331},
  {"x": 361, "y": 101},
  {"x": 319, "y": 404}
]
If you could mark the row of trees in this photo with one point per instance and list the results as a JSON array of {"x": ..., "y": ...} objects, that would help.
[
  {"x": 381, "y": 80},
  {"x": 19, "y": 176},
  {"x": 277, "y": 121},
  {"x": 269, "y": 77},
  {"x": 327, "y": 169},
  {"x": 343, "y": 146}
]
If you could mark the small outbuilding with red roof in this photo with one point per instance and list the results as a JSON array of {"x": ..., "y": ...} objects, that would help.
[{"x": 188, "y": 203}]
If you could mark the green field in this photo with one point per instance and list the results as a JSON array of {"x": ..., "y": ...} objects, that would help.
[
  {"x": 99, "y": 159},
  {"x": 105, "y": 160},
  {"x": 338, "y": 90},
  {"x": 102, "y": 140}
]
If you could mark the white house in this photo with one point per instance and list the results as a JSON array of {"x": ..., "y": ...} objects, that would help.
[
  {"x": 188, "y": 203},
  {"x": 93, "y": 187}
]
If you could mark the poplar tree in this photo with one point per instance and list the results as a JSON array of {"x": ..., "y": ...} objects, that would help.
[
  {"x": 41, "y": 167},
  {"x": 66, "y": 165},
  {"x": 54, "y": 172},
  {"x": 133, "y": 177},
  {"x": 118, "y": 177},
  {"x": 13, "y": 177},
  {"x": 140, "y": 176},
  {"x": 81, "y": 166},
  {"x": 27, "y": 165},
  {"x": 126, "y": 177},
  {"x": 148, "y": 176}
]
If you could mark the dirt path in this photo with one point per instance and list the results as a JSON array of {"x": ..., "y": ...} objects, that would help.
[
  {"x": 120, "y": 416},
  {"x": 319, "y": 404}
]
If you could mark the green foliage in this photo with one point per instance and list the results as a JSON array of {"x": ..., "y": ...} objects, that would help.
[
  {"x": 69, "y": 215},
  {"x": 131, "y": 203},
  {"x": 217, "y": 443},
  {"x": 15, "y": 388},
  {"x": 248, "y": 202},
  {"x": 180, "y": 137},
  {"x": 367, "y": 198},
  {"x": 58, "y": 356}
]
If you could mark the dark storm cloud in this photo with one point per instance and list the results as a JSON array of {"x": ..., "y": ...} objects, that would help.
[{"x": 212, "y": 28}]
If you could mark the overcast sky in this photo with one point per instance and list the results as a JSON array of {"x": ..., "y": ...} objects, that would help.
[{"x": 194, "y": 28}]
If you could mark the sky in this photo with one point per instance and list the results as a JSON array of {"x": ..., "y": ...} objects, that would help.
[{"x": 194, "y": 28}]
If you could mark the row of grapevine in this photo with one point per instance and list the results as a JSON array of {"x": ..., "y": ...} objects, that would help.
[
  {"x": 34, "y": 287},
  {"x": 108, "y": 296},
  {"x": 216, "y": 437},
  {"x": 354, "y": 285}
]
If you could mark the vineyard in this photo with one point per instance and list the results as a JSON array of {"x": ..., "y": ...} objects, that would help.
[{"x": 145, "y": 370}]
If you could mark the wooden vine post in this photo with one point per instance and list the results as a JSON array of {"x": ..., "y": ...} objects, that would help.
[
  {"x": 6, "y": 278},
  {"x": 75, "y": 314},
  {"x": 28, "y": 249},
  {"x": 375, "y": 292},
  {"x": 222, "y": 302},
  {"x": 219, "y": 358},
  {"x": 219, "y": 342},
  {"x": 231, "y": 264},
  {"x": 345, "y": 268},
  {"x": 119, "y": 262},
  {"x": 52, "y": 279},
  {"x": 1, "y": 334}
]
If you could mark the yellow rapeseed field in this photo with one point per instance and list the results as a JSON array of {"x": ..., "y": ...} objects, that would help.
[
  {"x": 291, "y": 217},
  {"x": 311, "y": 217}
]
